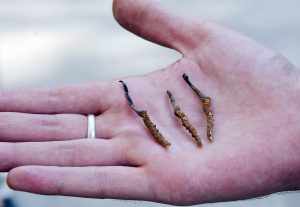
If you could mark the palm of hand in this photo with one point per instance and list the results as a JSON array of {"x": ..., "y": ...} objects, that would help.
[
  {"x": 253, "y": 93},
  {"x": 252, "y": 101}
]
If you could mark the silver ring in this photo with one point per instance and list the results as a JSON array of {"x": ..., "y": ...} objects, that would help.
[{"x": 91, "y": 133}]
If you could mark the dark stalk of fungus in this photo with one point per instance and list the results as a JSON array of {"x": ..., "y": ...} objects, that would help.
[
  {"x": 206, "y": 108},
  {"x": 148, "y": 123},
  {"x": 184, "y": 120}
]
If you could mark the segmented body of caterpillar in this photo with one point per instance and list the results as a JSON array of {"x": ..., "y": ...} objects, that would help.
[
  {"x": 147, "y": 121},
  {"x": 153, "y": 130},
  {"x": 206, "y": 108},
  {"x": 210, "y": 118},
  {"x": 184, "y": 120}
]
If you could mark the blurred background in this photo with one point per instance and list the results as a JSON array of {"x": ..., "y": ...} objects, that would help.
[{"x": 54, "y": 42}]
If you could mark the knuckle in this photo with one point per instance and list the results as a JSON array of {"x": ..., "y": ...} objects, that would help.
[
  {"x": 50, "y": 126},
  {"x": 49, "y": 121},
  {"x": 66, "y": 154},
  {"x": 102, "y": 184},
  {"x": 53, "y": 99},
  {"x": 61, "y": 188}
]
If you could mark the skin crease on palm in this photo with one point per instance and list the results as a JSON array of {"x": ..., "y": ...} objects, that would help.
[{"x": 255, "y": 99}]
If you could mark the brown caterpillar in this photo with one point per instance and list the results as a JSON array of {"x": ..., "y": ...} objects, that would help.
[
  {"x": 147, "y": 121},
  {"x": 206, "y": 108},
  {"x": 184, "y": 120}
]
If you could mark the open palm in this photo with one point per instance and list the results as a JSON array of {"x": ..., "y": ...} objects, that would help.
[{"x": 254, "y": 98}]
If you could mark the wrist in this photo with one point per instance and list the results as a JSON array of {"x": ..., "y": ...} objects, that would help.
[
  {"x": 298, "y": 127},
  {"x": 292, "y": 174},
  {"x": 294, "y": 169}
]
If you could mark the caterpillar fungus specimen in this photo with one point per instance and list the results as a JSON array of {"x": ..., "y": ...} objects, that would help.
[
  {"x": 206, "y": 101},
  {"x": 147, "y": 121},
  {"x": 184, "y": 120}
]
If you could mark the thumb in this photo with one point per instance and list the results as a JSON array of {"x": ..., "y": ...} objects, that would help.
[{"x": 152, "y": 22}]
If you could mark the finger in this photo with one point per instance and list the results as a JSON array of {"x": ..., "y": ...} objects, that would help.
[
  {"x": 153, "y": 22},
  {"x": 87, "y": 152},
  {"x": 21, "y": 127},
  {"x": 94, "y": 182},
  {"x": 77, "y": 99}
]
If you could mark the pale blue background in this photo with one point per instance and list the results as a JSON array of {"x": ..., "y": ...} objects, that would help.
[{"x": 53, "y": 42}]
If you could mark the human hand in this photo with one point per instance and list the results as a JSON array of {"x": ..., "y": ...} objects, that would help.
[{"x": 254, "y": 92}]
